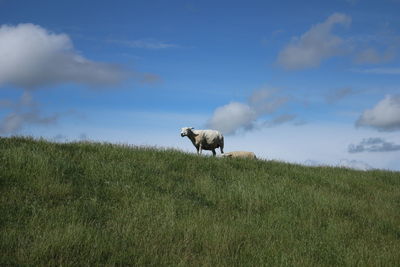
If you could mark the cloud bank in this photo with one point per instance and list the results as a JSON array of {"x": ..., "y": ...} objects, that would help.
[
  {"x": 318, "y": 43},
  {"x": 32, "y": 57},
  {"x": 236, "y": 116},
  {"x": 384, "y": 116}
]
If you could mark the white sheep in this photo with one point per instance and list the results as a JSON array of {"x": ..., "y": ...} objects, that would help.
[
  {"x": 204, "y": 139},
  {"x": 240, "y": 154}
]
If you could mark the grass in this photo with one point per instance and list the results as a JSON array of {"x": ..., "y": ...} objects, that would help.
[{"x": 103, "y": 204}]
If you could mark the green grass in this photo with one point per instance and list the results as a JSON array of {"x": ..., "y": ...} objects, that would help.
[{"x": 102, "y": 204}]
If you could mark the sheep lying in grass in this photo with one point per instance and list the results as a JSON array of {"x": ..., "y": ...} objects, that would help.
[
  {"x": 204, "y": 139},
  {"x": 240, "y": 154}
]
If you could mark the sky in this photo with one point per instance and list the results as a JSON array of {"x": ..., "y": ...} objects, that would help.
[{"x": 307, "y": 82}]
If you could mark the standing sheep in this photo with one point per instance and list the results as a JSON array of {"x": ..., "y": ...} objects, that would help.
[
  {"x": 240, "y": 154},
  {"x": 204, "y": 139}
]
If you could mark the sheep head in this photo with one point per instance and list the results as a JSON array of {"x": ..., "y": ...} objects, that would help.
[{"x": 185, "y": 131}]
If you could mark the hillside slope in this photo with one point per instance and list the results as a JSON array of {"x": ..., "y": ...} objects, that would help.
[{"x": 92, "y": 203}]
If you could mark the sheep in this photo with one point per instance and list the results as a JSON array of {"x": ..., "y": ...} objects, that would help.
[
  {"x": 240, "y": 154},
  {"x": 204, "y": 139}
]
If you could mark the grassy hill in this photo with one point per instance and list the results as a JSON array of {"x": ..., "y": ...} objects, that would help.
[{"x": 103, "y": 204}]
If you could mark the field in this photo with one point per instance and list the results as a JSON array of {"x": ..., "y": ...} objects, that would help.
[{"x": 103, "y": 204}]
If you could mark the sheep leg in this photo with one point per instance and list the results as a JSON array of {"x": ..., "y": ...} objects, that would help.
[
  {"x": 199, "y": 150},
  {"x": 214, "y": 153}
]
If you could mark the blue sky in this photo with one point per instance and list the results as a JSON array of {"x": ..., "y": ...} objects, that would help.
[{"x": 311, "y": 82}]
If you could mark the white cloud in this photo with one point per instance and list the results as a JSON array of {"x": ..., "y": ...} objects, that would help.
[
  {"x": 237, "y": 116},
  {"x": 316, "y": 44},
  {"x": 233, "y": 116},
  {"x": 32, "y": 57},
  {"x": 384, "y": 116}
]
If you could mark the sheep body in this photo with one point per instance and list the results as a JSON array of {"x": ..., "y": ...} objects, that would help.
[
  {"x": 204, "y": 139},
  {"x": 240, "y": 154}
]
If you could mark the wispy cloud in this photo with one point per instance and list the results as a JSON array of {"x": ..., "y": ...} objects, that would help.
[
  {"x": 352, "y": 2},
  {"x": 373, "y": 56},
  {"x": 25, "y": 112},
  {"x": 318, "y": 43},
  {"x": 373, "y": 145},
  {"x": 279, "y": 120},
  {"x": 338, "y": 94},
  {"x": 149, "y": 78},
  {"x": 145, "y": 43},
  {"x": 392, "y": 71}
]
